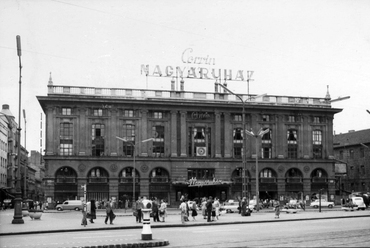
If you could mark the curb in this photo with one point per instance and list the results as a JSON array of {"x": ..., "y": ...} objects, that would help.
[
  {"x": 136, "y": 244},
  {"x": 182, "y": 225}
]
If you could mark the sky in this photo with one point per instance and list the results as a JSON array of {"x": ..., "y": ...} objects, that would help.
[{"x": 294, "y": 48}]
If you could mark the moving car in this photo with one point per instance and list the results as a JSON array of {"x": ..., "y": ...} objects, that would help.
[
  {"x": 70, "y": 205},
  {"x": 324, "y": 203}
]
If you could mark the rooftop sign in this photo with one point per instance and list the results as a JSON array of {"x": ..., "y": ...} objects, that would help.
[{"x": 196, "y": 67}]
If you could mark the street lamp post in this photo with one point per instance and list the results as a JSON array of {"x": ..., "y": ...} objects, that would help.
[
  {"x": 25, "y": 147},
  {"x": 17, "y": 219},
  {"x": 256, "y": 136},
  {"x": 244, "y": 184},
  {"x": 134, "y": 164}
]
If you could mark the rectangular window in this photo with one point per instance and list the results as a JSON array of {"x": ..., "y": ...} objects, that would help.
[
  {"x": 238, "y": 117},
  {"x": 265, "y": 118},
  {"x": 341, "y": 155},
  {"x": 199, "y": 141},
  {"x": 351, "y": 153},
  {"x": 317, "y": 144},
  {"x": 266, "y": 152},
  {"x": 316, "y": 119},
  {"x": 128, "y": 113},
  {"x": 291, "y": 118},
  {"x": 97, "y": 140},
  {"x": 238, "y": 142},
  {"x": 128, "y": 132},
  {"x": 158, "y": 143},
  {"x": 98, "y": 112},
  {"x": 66, "y": 139},
  {"x": 362, "y": 153},
  {"x": 201, "y": 174},
  {"x": 66, "y": 111},
  {"x": 66, "y": 147},
  {"x": 292, "y": 143},
  {"x": 158, "y": 115}
]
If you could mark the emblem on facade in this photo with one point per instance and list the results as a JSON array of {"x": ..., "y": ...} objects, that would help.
[
  {"x": 281, "y": 169},
  {"x": 82, "y": 167},
  {"x": 144, "y": 168},
  {"x": 306, "y": 168},
  {"x": 113, "y": 167}
]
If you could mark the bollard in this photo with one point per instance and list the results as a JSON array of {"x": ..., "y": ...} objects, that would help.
[{"x": 146, "y": 234}]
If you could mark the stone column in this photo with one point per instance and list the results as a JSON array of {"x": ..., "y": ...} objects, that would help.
[
  {"x": 80, "y": 191},
  {"x": 50, "y": 142},
  {"x": 82, "y": 130},
  {"x": 228, "y": 136},
  {"x": 183, "y": 133},
  {"x": 113, "y": 187},
  {"x": 144, "y": 134},
  {"x": 173, "y": 148},
  {"x": 217, "y": 134}
]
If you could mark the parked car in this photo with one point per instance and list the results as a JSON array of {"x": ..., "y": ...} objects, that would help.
[
  {"x": 324, "y": 203},
  {"x": 253, "y": 205},
  {"x": 230, "y": 206},
  {"x": 70, "y": 205},
  {"x": 359, "y": 201}
]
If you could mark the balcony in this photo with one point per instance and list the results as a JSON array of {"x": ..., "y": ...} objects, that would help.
[
  {"x": 240, "y": 180},
  {"x": 128, "y": 180},
  {"x": 267, "y": 180},
  {"x": 319, "y": 179},
  {"x": 98, "y": 180},
  {"x": 66, "y": 180},
  {"x": 159, "y": 179},
  {"x": 294, "y": 180}
]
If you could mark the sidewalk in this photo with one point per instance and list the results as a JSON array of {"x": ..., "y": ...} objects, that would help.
[{"x": 70, "y": 221}]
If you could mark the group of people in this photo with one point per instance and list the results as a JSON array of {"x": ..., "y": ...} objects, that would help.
[
  {"x": 158, "y": 209},
  {"x": 210, "y": 209},
  {"x": 89, "y": 212}
]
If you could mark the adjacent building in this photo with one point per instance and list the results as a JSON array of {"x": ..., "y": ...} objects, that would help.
[
  {"x": 176, "y": 143},
  {"x": 352, "y": 150}
]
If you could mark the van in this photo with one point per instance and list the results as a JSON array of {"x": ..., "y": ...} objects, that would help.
[
  {"x": 359, "y": 201},
  {"x": 70, "y": 205}
]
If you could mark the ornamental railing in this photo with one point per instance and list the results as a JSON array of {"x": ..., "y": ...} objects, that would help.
[{"x": 186, "y": 95}]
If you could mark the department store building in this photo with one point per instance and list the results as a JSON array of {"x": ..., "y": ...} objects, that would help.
[{"x": 185, "y": 143}]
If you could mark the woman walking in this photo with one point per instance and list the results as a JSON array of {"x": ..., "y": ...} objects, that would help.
[
  {"x": 109, "y": 211},
  {"x": 277, "y": 209},
  {"x": 194, "y": 210},
  {"x": 163, "y": 210},
  {"x": 91, "y": 210}
]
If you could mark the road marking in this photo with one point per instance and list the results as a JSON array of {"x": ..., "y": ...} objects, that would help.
[
  {"x": 89, "y": 237},
  {"x": 212, "y": 230}
]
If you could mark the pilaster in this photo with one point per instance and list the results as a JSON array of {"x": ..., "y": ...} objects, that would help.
[
  {"x": 173, "y": 148},
  {"x": 218, "y": 134},
  {"x": 183, "y": 133},
  {"x": 228, "y": 135}
]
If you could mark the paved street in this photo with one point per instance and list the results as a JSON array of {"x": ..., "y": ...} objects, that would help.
[{"x": 68, "y": 224}]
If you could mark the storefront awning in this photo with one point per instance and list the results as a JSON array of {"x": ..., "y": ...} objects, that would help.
[{"x": 201, "y": 183}]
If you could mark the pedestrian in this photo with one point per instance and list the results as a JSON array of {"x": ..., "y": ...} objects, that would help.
[
  {"x": 91, "y": 211},
  {"x": 277, "y": 209},
  {"x": 194, "y": 210},
  {"x": 244, "y": 206},
  {"x": 109, "y": 212},
  {"x": 204, "y": 208},
  {"x": 183, "y": 211},
  {"x": 155, "y": 210},
  {"x": 139, "y": 207},
  {"x": 163, "y": 210},
  {"x": 84, "y": 212},
  {"x": 209, "y": 208},
  {"x": 217, "y": 205}
]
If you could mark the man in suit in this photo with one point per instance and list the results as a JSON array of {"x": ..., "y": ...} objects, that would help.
[{"x": 109, "y": 212}]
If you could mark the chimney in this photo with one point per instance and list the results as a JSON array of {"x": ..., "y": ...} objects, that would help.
[{"x": 6, "y": 111}]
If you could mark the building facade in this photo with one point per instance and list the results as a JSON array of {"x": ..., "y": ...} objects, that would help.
[
  {"x": 174, "y": 143},
  {"x": 352, "y": 150},
  {"x": 9, "y": 156}
]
